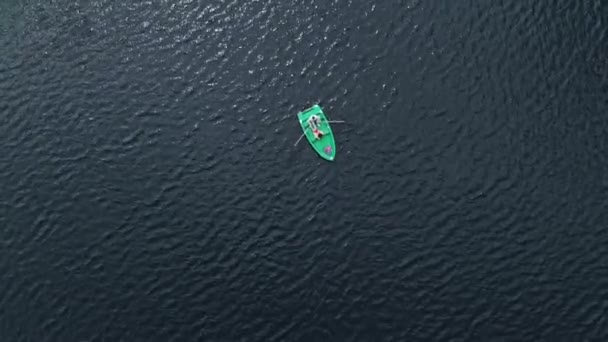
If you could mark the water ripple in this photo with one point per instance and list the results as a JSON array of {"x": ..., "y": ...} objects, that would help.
[{"x": 152, "y": 190}]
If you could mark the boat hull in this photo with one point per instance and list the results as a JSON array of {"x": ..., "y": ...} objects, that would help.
[{"x": 326, "y": 146}]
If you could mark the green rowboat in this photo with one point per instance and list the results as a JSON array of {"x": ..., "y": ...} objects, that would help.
[{"x": 326, "y": 145}]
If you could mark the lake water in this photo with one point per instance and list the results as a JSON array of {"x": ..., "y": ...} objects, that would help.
[{"x": 151, "y": 190}]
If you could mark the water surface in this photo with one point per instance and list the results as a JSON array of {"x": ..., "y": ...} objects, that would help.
[{"x": 151, "y": 190}]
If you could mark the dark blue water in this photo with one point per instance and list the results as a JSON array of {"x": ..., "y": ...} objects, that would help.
[{"x": 150, "y": 189}]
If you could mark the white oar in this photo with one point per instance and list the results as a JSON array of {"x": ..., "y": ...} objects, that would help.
[
  {"x": 338, "y": 121},
  {"x": 299, "y": 139}
]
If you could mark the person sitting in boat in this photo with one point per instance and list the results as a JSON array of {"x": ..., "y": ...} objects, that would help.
[
  {"x": 318, "y": 133},
  {"x": 313, "y": 122}
]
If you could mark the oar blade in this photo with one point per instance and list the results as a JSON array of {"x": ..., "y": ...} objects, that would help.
[{"x": 303, "y": 135}]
